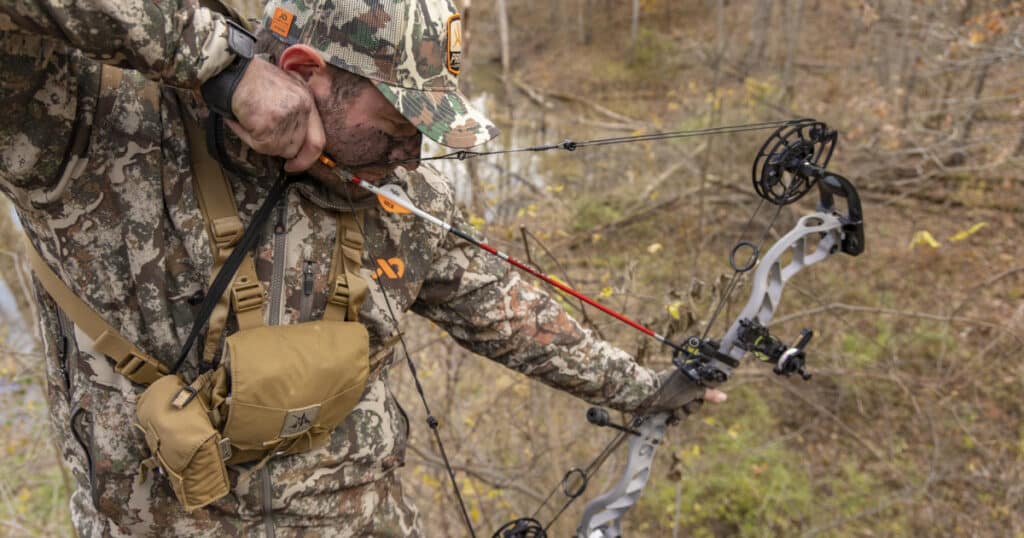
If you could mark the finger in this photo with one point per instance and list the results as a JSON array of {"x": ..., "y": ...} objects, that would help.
[
  {"x": 242, "y": 134},
  {"x": 312, "y": 145},
  {"x": 715, "y": 396},
  {"x": 693, "y": 406}
]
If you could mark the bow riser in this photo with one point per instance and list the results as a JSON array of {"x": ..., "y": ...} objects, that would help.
[
  {"x": 771, "y": 275},
  {"x": 602, "y": 515}
]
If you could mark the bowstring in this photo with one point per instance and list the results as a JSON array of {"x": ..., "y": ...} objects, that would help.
[
  {"x": 431, "y": 419},
  {"x": 570, "y": 145}
]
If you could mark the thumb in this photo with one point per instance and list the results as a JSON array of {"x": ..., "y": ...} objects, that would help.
[{"x": 715, "y": 396}]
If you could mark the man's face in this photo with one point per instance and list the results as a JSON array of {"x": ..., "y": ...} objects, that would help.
[{"x": 364, "y": 131}]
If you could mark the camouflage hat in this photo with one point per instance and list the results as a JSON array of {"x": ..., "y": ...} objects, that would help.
[{"x": 411, "y": 49}]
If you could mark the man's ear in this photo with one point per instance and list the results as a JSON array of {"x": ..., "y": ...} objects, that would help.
[{"x": 303, "y": 61}]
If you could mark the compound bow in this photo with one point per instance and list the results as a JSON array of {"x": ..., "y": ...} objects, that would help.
[{"x": 788, "y": 166}]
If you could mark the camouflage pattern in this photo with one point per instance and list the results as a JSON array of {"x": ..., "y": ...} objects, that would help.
[
  {"x": 173, "y": 41},
  {"x": 102, "y": 183},
  {"x": 403, "y": 45}
]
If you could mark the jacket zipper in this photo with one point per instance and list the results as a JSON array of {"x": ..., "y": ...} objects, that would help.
[
  {"x": 306, "y": 305},
  {"x": 277, "y": 274},
  {"x": 64, "y": 326},
  {"x": 274, "y": 318}
]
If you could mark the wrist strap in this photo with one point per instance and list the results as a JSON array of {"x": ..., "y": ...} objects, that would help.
[{"x": 219, "y": 90}]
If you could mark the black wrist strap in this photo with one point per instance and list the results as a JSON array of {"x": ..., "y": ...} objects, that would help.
[
  {"x": 219, "y": 90},
  {"x": 227, "y": 271}
]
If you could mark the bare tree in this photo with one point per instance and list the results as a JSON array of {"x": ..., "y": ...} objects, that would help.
[
  {"x": 634, "y": 25},
  {"x": 506, "y": 62},
  {"x": 794, "y": 12}
]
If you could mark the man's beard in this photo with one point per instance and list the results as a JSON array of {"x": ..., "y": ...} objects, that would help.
[{"x": 363, "y": 150}]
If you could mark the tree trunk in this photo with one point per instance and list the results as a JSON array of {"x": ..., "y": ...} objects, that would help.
[
  {"x": 759, "y": 26},
  {"x": 972, "y": 111},
  {"x": 582, "y": 14},
  {"x": 506, "y": 62},
  {"x": 634, "y": 26},
  {"x": 792, "y": 47}
]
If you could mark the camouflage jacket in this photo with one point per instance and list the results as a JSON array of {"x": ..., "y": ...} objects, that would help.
[{"x": 102, "y": 184}]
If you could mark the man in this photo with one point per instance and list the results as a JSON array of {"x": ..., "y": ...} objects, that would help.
[{"x": 99, "y": 168}]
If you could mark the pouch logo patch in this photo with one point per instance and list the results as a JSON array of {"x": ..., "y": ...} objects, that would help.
[
  {"x": 453, "y": 59},
  {"x": 299, "y": 420},
  {"x": 281, "y": 22},
  {"x": 392, "y": 268}
]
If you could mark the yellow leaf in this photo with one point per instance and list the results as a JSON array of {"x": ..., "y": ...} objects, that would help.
[
  {"x": 924, "y": 237},
  {"x": 976, "y": 38},
  {"x": 595, "y": 238},
  {"x": 654, "y": 248},
  {"x": 673, "y": 310},
  {"x": 964, "y": 234},
  {"x": 556, "y": 188},
  {"x": 477, "y": 222},
  {"x": 606, "y": 292}
]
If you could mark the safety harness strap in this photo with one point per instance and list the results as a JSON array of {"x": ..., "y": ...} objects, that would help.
[
  {"x": 348, "y": 288},
  {"x": 129, "y": 360},
  {"x": 224, "y": 228}
]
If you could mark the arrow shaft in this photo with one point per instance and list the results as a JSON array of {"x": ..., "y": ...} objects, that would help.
[{"x": 508, "y": 259}]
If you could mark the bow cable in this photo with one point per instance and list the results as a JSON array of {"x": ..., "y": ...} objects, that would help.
[{"x": 570, "y": 145}]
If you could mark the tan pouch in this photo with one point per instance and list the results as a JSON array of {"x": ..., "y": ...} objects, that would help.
[
  {"x": 183, "y": 443},
  {"x": 286, "y": 387}
]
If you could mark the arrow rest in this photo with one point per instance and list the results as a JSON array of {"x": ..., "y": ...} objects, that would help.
[{"x": 702, "y": 362}]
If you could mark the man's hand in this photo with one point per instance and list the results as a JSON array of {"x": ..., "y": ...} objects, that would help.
[
  {"x": 678, "y": 392},
  {"x": 277, "y": 116}
]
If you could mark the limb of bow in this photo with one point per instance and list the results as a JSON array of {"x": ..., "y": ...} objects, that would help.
[{"x": 814, "y": 238}]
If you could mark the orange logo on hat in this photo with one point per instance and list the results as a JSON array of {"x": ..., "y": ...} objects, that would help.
[
  {"x": 281, "y": 22},
  {"x": 453, "y": 59}
]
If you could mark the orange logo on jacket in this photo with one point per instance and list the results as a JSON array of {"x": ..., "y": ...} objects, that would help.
[{"x": 391, "y": 268}]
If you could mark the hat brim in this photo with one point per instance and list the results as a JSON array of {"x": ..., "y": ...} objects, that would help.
[{"x": 446, "y": 117}]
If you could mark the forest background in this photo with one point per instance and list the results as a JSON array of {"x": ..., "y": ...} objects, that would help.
[{"x": 911, "y": 425}]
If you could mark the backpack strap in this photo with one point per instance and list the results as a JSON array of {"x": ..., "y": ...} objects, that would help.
[
  {"x": 224, "y": 228},
  {"x": 129, "y": 360},
  {"x": 348, "y": 287}
]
